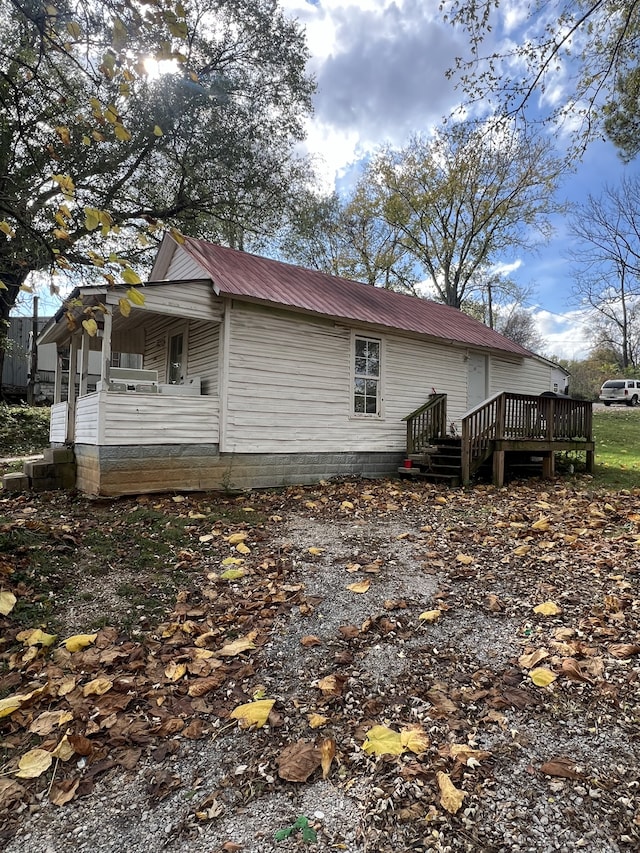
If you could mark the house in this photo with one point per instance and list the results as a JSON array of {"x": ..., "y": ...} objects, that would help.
[{"x": 258, "y": 373}]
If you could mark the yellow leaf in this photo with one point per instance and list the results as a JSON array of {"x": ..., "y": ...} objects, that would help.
[
  {"x": 64, "y": 134},
  {"x": 541, "y": 524},
  {"x": 79, "y": 641},
  {"x": 34, "y": 763},
  {"x": 430, "y": 615},
  {"x": 315, "y": 552},
  {"x": 253, "y": 713},
  {"x": 242, "y": 644},
  {"x": 241, "y": 548},
  {"x": 7, "y": 602},
  {"x": 522, "y": 550},
  {"x": 11, "y": 704},
  {"x": 232, "y": 574},
  {"x": 47, "y": 721},
  {"x": 91, "y": 218},
  {"x": 383, "y": 741},
  {"x": 450, "y": 797},
  {"x": 7, "y": 229},
  {"x": 3, "y": 286},
  {"x": 548, "y": 608},
  {"x": 415, "y": 739},
  {"x": 74, "y": 29},
  {"x": 542, "y": 677},
  {"x": 125, "y": 307},
  {"x": 64, "y": 751},
  {"x": 316, "y": 721},
  {"x": 236, "y": 538},
  {"x": 157, "y": 131},
  {"x": 465, "y": 559},
  {"x": 37, "y": 637},
  {"x": 232, "y": 561},
  {"x": 175, "y": 671},
  {"x": 130, "y": 276},
  {"x": 90, "y": 326},
  {"x": 360, "y": 586},
  {"x": 347, "y": 505},
  {"x": 97, "y": 687},
  {"x": 121, "y": 133},
  {"x": 440, "y": 500},
  {"x": 60, "y": 234}
]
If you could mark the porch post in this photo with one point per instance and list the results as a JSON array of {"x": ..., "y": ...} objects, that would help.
[
  {"x": 106, "y": 348},
  {"x": 57, "y": 382},
  {"x": 71, "y": 390},
  {"x": 84, "y": 364}
]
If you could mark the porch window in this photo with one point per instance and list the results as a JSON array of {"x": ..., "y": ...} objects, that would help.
[
  {"x": 176, "y": 359},
  {"x": 366, "y": 377}
]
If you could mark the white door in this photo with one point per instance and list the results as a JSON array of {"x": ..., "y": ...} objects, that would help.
[{"x": 477, "y": 379}]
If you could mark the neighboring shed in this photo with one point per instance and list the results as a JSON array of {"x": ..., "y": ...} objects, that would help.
[{"x": 259, "y": 373}]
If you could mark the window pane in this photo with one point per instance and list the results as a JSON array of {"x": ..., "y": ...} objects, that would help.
[
  {"x": 372, "y": 405},
  {"x": 371, "y": 388},
  {"x": 361, "y": 365},
  {"x": 358, "y": 404},
  {"x": 361, "y": 348},
  {"x": 360, "y": 386}
]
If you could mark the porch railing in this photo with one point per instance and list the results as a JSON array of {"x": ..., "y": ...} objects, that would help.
[
  {"x": 427, "y": 424},
  {"x": 524, "y": 419}
]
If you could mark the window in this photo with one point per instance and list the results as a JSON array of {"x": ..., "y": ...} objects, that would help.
[
  {"x": 366, "y": 377},
  {"x": 175, "y": 374}
]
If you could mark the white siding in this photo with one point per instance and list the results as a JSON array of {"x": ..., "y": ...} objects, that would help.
[
  {"x": 106, "y": 418},
  {"x": 58, "y": 423},
  {"x": 202, "y": 349},
  {"x": 289, "y": 385},
  {"x": 87, "y": 419},
  {"x": 526, "y": 376},
  {"x": 183, "y": 267}
]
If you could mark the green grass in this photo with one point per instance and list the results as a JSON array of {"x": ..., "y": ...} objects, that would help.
[
  {"x": 617, "y": 437},
  {"x": 23, "y": 429}
]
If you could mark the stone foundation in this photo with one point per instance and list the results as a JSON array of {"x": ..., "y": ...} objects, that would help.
[{"x": 131, "y": 470}]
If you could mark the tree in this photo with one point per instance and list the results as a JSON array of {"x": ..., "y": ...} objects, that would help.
[
  {"x": 607, "y": 266},
  {"x": 93, "y": 142},
  {"x": 465, "y": 198},
  {"x": 576, "y": 58},
  {"x": 347, "y": 237}
]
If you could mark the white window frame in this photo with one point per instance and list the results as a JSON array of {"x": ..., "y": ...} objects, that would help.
[
  {"x": 172, "y": 333},
  {"x": 353, "y": 375}
]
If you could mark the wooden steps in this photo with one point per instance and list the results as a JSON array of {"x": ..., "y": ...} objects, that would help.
[{"x": 437, "y": 463}]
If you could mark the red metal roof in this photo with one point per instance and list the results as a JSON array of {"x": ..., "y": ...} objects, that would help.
[{"x": 241, "y": 274}]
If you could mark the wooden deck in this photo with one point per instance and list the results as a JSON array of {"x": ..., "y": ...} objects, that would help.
[{"x": 505, "y": 423}]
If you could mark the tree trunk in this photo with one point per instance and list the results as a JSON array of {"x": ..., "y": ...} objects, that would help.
[{"x": 12, "y": 282}]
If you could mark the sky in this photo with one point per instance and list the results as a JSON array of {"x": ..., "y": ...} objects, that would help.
[{"x": 380, "y": 67}]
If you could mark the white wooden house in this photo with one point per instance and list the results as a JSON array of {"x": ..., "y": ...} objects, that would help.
[{"x": 258, "y": 373}]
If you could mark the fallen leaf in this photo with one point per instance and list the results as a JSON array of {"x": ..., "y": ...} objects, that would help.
[
  {"x": 316, "y": 721},
  {"x": 237, "y": 538},
  {"x": 298, "y": 761},
  {"x": 232, "y": 574},
  {"x": 48, "y": 721},
  {"x": 253, "y": 713},
  {"x": 381, "y": 740},
  {"x": 530, "y": 660},
  {"x": 63, "y": 792},
  {"x": 310, "y": 640},
  {"x": 414, "y": 738},
  {"x": 360, "y": 586},
  {"x": 327, "y": 754},
  {"x": 493, "y": 603},
  {"x": 450, "y": 797},
  {"x": 175, "y": 671},
  {"x": 522, "y": 550},
  {"x": 542, "y": 677},
  {"x": 315, "y": 552},
  {"x": 547, "y": 608},
  {"x": 7, "y": 602},
  {"x": 79, "y": 642},
  {"x": 465, "y": 559},
  {"x": 563, "y": 767},
  {"x": 242, "y": 644},
  {"x": 34, "y": 763},
  {"x": 241, "y": 548},
  {"x": 430, "y": 615},
  {"x": 97, "y": 687},
  {"x": 623, "y": 650}
]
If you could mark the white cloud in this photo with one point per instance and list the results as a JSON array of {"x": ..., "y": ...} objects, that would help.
[{"x": 566, "y": 335}]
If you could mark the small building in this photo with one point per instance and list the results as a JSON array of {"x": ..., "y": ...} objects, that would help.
[{"x": 257, "y": 373}]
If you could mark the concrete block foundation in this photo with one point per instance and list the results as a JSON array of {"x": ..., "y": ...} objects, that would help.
[{"x": 130, "y": 470}]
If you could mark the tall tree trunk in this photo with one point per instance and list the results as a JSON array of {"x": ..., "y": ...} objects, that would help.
[{"x": 12, "y": 282}]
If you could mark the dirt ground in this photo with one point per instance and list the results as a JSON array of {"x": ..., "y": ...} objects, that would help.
[{"x": 359, "y": 666}]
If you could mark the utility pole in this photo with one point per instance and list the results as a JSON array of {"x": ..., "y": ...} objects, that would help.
[{"x": 33, "y": 355}]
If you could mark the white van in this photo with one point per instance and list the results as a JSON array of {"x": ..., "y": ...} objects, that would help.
[{"x": 625, "y": 391}]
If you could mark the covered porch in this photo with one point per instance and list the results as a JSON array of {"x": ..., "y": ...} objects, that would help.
[{"x": 161, "y": 406}]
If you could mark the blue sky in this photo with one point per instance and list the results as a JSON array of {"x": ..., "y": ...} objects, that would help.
[{"x": 380, "y": 67}]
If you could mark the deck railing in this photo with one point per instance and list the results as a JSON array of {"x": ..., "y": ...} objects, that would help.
[
  {"x": 427, "y": 424},
  {"x": 521, "y": 418}
]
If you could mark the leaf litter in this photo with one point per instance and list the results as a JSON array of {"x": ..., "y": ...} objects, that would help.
[{"x": 304, "y": 685}]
